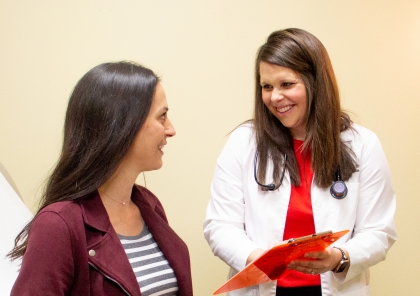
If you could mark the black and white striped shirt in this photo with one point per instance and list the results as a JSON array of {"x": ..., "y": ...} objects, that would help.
[{"x": 153, "y": 272}]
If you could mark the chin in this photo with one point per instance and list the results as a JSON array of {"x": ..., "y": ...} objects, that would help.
[
  {"x": 152, "y": 168},
  {"x": 157, "y": 166}
]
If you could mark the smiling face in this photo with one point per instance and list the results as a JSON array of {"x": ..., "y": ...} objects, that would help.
[
  {"x": 284, "y": 94},
  {"x": 146, "y": 151}
]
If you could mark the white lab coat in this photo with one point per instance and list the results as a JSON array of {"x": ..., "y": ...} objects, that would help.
[{"x": 240, "y": 218}]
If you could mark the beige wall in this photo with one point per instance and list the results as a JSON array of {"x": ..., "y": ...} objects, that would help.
[{"x": 204, "y": 51}]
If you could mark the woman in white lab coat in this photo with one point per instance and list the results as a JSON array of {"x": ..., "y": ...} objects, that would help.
[{"x": 301, "y": 166}]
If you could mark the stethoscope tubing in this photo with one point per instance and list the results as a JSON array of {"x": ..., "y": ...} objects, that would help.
[{"x": 338, "y": 188}]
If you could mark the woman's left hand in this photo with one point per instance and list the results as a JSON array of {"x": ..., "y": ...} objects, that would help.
[{"x": 317, "y": 262}]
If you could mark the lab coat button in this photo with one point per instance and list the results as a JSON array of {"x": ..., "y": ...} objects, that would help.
[{"x": 92, "y": 253}]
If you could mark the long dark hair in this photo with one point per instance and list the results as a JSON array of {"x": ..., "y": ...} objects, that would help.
[
  {"x": 303, "y": 53},
  {"x": 107, "y": 108}
]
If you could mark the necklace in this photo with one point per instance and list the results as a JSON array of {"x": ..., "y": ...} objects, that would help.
[{"x": 121, "y": 203}]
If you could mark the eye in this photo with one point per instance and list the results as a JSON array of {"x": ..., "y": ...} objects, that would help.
[
  {"x": 266, "y": 87},
  {"x": 287, "y": 84},
  {"x": 164, "y": 115}
]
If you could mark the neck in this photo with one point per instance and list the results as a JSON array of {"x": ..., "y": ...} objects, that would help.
[
  {"x": 298, "y": 133},
  {"x": 116, "y": 200},
  {"x": 120, "y": 201},
  {"x": 116, "y": 191}
]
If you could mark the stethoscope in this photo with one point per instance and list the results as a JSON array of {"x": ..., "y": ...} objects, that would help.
[{"x": 338, "y": 188}]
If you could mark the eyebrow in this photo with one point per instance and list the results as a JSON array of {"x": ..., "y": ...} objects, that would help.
[
  {"x": 281, "y": 80},
  {"x": 162, "y": 110}
]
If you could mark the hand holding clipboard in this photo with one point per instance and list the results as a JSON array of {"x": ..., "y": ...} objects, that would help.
[{"x": 272, "y": 264}]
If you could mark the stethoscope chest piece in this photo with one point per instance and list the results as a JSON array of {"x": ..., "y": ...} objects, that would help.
[{"x": 338, "y": 189}]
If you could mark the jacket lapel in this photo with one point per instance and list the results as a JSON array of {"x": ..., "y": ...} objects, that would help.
[
  {"x": 105, "y": 251},
  {"x": 171, "y": 245}
]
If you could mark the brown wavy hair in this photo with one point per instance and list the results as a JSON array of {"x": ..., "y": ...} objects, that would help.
[
  {"x": 106, "y": 109},
  {"x": 325, "y": 120}
]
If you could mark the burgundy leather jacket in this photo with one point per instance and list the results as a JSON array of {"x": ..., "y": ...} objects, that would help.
[{"x": 74, "y": 250}]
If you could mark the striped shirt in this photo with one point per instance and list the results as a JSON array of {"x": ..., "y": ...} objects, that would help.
[{"x": 152, "y": 270}]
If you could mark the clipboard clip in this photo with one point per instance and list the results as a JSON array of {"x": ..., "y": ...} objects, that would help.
[{"x": 295, "y": 240}]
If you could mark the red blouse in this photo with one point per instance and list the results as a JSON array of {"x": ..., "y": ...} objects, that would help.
[{"x": 300, "y": 218}]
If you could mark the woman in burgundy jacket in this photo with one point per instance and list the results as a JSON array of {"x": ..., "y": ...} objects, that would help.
[{"x": 97, "y": 232}]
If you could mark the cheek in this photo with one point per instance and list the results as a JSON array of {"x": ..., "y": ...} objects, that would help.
[
  {"x": 299, "y": 96},
  {"x": 266, "y": 98}
]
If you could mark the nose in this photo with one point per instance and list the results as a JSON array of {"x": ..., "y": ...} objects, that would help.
[
  {"x": 169, "y": 129},
  {"x": 276, "y": 95}
]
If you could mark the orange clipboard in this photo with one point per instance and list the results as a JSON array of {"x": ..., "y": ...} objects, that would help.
[{"x": 272, "y": 264}]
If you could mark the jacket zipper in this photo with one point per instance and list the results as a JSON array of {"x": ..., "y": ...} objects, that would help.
[{"x": 110, "y": 278}]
